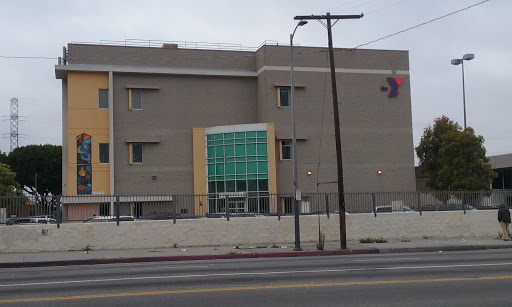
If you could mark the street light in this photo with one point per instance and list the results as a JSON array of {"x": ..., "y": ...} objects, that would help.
[
  {"x": 466, "y": 57},
  {"x": 294, "y": 142}
]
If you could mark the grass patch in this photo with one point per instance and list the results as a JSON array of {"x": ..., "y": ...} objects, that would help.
[
  {"x": 367, "y": 240},
  {"x": 87, "y": 248},
  {"x": 372, "y": 240},
  {"x": 321, "y": 241},
  {"x": 380, "y": 240}
]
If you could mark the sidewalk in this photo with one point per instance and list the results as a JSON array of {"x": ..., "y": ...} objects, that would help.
[{"x": 250, "y": 251}]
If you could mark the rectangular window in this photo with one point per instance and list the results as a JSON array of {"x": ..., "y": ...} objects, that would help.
[
  {"x": 103, "y": 99},
  {"x": 138, "y": 210},
  {"x": 136, "y": 99},
  {"x": 287, "y": 203},
  {"x": 104, "y": 153},
  {"x": 137, "y": 153},
  {"x": 286, "y": 150},
  {"x": 104, "y": 209},
  {"x": 283, "y": 97}
]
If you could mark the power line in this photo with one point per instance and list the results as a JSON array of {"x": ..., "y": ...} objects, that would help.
[
  {"x": 321, "y": 125},
  {"x": 385, "y": 7},
  {"x": 422, "y": 24},
  {"x": 359, "y": 4},
  {"x": 24, "y": 117},
  {"x": 27, "y": 57},
  {"x": 250, "y": 55},
  {"x": 345, "y": 4},
  {"x": 29, "y": 119}
]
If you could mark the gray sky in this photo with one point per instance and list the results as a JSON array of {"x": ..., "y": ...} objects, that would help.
[{"x": 41, "y": 28}]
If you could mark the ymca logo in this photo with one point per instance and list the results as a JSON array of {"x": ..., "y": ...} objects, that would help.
[{"x": 394, "y": 83}]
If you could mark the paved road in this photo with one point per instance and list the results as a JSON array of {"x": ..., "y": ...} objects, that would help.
[{"x": 471, "y": 278}]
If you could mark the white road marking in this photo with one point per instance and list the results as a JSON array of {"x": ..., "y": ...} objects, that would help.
[
  {"x": 385, "y": 259},
  {"x": 257, "y": 273},
  {"x": 171, "y": 267}
]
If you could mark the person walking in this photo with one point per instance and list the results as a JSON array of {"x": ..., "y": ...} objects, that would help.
[{"x": 504, "y": 219}]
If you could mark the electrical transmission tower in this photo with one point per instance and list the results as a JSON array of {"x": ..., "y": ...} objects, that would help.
[{"x": 14, "y": 123}]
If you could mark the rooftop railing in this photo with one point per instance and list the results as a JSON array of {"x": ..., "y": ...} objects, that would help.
[{"x": 178, "y": 44}]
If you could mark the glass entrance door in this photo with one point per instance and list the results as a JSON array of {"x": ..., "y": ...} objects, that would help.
[{"x": 237, "y": 205}]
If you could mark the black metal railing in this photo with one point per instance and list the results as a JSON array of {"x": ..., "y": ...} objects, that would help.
[{"x": 121, "y": 208}]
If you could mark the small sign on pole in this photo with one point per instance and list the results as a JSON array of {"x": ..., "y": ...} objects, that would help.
[{"x": 298, "y": 194}]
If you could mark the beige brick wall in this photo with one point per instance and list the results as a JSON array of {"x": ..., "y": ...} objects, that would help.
[
  {"x": 170, "y": 113},
  {"x": 376, "y": 130},
  {"x": 160, "y": 57},
  {"x": 211, "y": 232}
]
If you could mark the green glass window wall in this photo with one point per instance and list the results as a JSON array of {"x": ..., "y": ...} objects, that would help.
[{"x": 237, "y": 162}]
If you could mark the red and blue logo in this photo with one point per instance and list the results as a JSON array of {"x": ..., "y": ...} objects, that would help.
[{"x": 394, "y": 83}]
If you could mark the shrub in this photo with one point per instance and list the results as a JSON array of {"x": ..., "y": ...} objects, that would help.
[
  {"x": 366, "y": 240},
  {"x": 380, "y": 240},
  {"x": 321, "y": 241}
]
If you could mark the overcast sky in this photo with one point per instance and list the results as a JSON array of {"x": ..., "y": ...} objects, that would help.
[{"x": 41, "y": 28}]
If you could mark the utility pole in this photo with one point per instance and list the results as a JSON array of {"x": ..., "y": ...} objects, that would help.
[
  {"x": 294, "y": 145},
  {"x": 337, "y": 133}
]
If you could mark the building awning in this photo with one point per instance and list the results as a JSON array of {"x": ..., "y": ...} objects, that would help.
[
  {"x": 287, "y": 84},
  {"x": 142, "y": 86},
  {"x": 288, "y": 136},
  {"x": 144, "y": 139}
]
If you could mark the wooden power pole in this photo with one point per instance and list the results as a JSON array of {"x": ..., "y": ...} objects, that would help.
[{"x": 337, "y": 133}]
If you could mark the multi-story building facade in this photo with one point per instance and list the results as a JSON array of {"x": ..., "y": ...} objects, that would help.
[{"x": 153, "y": 121}]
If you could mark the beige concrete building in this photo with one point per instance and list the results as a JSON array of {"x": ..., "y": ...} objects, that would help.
[
  {"x": 502, "y": 165},
  {"x": 169, "y": 119}
]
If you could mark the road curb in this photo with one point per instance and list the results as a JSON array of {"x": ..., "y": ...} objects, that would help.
[
  {"x": 440, "y": 248},
  {"x": 184, "y": 258}
]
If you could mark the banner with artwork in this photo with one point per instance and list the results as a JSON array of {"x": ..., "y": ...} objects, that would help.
[
  {"x": 83, "y": 164},
  {"x": 83, "y": 149},
  {"x": 84, "y": 179}
]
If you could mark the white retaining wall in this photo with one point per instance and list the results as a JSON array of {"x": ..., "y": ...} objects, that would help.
[{"x": 243, "y": 230}]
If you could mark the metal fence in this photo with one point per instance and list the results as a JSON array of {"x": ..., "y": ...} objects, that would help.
[
  {"x": 178, "y": 44},
  {"x": 93, "y": 208}
]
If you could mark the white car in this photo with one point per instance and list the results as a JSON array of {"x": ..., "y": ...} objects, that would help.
[
  {"x": 389, "y": 208},
  {"x": 109, "y": 218}
]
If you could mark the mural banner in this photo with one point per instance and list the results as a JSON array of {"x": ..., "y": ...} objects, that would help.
[{"x": 83, "y": 164}]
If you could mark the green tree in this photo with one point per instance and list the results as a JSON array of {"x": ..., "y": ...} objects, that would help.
[
  {"x": 4, "y": 158},
  {"x": 454, "y": 159},
  {"x": 8, "y": 184},
  {"x": 43, "y": 160}
]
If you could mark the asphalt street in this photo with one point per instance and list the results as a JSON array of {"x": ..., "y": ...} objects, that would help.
[{"x": 468, "y": 278}]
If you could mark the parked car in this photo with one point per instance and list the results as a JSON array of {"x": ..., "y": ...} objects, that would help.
[
  {"x": 157, "y": 216},
  {"x": 30, "y": 220},
  {"x": 388, "y": 208},
  {"x": 447, "y": 207},
  {"x": 108, "y": 218}
]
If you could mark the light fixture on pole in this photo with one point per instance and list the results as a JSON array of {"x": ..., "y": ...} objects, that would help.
[
  {"x": 294, "y": 143},
  {"x": 466, "y": 57}
]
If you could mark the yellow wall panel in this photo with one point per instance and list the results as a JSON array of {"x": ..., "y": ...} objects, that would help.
[
  {"x": 272, "y": 171},
  {"x": 199, "y": 158},
  {"x": 88, "y": 118},
  {"x": 272, "y": 168},
  {"x": 85, "y": 116}
]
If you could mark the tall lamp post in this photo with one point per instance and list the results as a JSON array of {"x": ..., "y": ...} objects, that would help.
[
  {"x": 294, "y": 142},
  {"x": 466, "y": 57}
]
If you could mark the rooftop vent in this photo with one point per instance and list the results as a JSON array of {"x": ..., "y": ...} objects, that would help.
[{"x": 170, "y": 46}]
